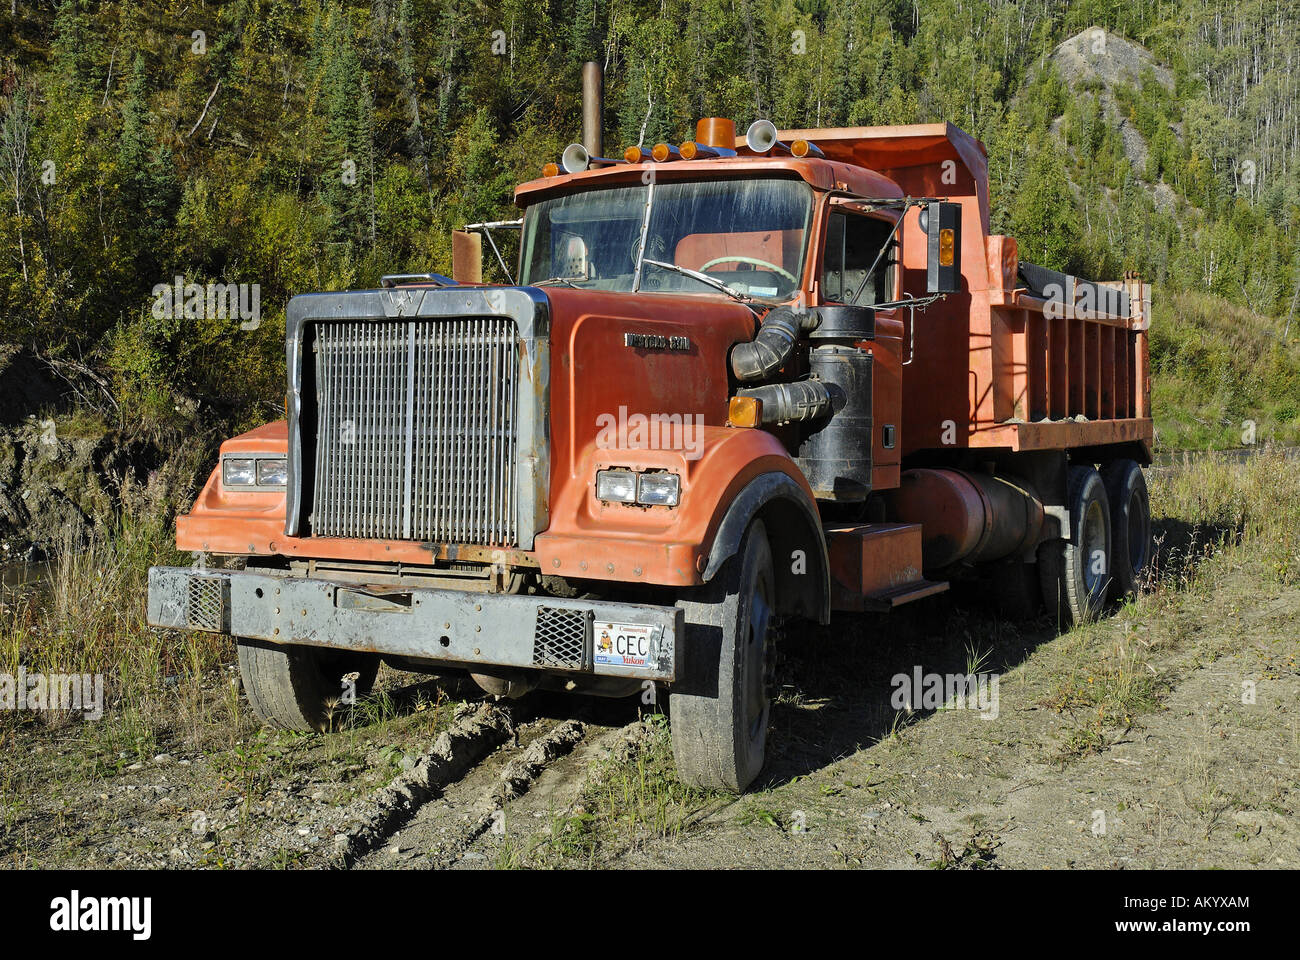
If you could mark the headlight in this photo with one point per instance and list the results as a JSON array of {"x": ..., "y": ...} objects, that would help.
[
  {"x": 658, "y": 489},
  {"x": 616, "y": 486},
  {"x": 272, "y": 473},
  {"x": 254, "y": 472},
  {"x": 238, "y": 473},
  {"x": 654, "y": 488}
]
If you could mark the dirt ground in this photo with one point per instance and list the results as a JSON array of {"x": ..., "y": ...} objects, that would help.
[{"x": 1167, "y": 735}]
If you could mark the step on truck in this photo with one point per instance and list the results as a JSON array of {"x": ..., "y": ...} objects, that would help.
[{"x": 732, "y": 382}]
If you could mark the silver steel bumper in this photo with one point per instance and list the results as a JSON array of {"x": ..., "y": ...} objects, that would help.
[{"x": 460, "y": 628}]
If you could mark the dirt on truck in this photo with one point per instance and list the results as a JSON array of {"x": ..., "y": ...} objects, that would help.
[{"x": 730, "y": 384}]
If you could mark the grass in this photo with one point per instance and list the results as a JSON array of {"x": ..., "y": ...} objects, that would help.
[
  {"x": 1215, "y": 517},
  {"x": 1217, "y": 369},
  {"x": 640, "y": 793},
  {"x": 88, "y": 617},
  {"x": 632, "y": 796}
]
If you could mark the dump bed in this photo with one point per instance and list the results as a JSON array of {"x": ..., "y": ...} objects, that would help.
[{"x": 1023, "y": 358}]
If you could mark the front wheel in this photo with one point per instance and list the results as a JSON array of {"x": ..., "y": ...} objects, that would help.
[
  {"x": 719, "y": 708},
  {"x": 299, "y": 687}
]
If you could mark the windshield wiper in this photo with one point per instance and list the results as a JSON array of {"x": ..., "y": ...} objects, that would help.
[
  {"x": 567, "y": 281},
  {"x": 702, "y": 277}
]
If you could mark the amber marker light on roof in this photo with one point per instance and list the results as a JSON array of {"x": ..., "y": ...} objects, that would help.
[
  {"x": 550, "y": 169},
  {"x": 802, "y": 148}
]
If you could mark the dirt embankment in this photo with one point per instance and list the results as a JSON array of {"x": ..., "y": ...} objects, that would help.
[{"x": 66, "y": 468}]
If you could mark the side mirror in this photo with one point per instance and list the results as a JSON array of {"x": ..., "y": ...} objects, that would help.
[
  {"x": 466, "y": 257},
  {"x": 941, "y": 223}
]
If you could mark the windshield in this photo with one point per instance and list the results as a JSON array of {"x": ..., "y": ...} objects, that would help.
[{"x": 747, "y": 234}]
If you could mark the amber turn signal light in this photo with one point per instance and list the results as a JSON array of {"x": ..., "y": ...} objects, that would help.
[
  {"x": 946, "y": 241},
  {"x": 745, "y": 411}
]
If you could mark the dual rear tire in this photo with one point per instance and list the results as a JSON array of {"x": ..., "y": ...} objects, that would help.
[{"x": 1109, "y": 545}]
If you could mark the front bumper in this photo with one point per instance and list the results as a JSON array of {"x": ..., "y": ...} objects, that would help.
[{"x": 451, "y": 626}]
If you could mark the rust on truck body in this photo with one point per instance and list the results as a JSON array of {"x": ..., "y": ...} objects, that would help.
[
  {"x": 990, "y": 367},
  {"x": 620, "y": 471}
]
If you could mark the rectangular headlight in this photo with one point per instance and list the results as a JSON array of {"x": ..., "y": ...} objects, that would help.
[
  {"x": 616, "y": 486},
  {"x": 272, "y": 473},
  {"x": 238, "y": 473},
  {"x": 660, "y": 489}
]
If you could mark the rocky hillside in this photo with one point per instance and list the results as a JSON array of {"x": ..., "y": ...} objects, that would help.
[
  {"x": 65, "y": 468},
  {"x": 1095, "y": 64}
]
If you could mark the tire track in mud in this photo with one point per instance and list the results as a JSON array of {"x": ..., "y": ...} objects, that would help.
[
  {"x": 476, "y": 734},
  {"x": 543, "y": 771}
]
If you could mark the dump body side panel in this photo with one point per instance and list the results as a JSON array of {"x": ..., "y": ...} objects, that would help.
[{"x": 995, "y": 365}]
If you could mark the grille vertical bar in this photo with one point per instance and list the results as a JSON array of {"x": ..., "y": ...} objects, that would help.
[{"x": 417, "y": 430}]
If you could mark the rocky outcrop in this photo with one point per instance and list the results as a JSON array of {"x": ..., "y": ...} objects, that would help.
[
  {"x": 1094, "y": 62},
  {"x": 65, "y": 470}
]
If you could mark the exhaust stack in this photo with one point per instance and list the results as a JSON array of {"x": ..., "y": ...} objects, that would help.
[{"x": 593, "y": 109}]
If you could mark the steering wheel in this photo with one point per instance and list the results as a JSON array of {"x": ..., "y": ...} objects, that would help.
[{"x": 753, "y": 262}]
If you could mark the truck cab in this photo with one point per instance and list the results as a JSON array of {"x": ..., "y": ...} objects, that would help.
[{"x": 736, "y": 381}]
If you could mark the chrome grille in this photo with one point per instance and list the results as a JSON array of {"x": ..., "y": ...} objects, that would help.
[{"x": 416, "y": 430}]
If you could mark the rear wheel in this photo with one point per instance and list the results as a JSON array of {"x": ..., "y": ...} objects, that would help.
[
  {"x": 1076, "y": 573},
  {"x": 1130, "y": 526},
  {"x": 302, "y": 688},
  {"x": 719, "y": 707}
]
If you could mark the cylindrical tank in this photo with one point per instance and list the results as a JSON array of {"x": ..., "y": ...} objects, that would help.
[
  {"x": 967, "y": 516},
  {"x": 836, "y": 456}
]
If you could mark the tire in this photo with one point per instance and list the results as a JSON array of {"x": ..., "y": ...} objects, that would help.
[
  {"x": 719, "y": 709},
  {"x": 298, "y": 687},
  {"x": 1130, "y": 526},
  {"x": 1076, "y": 573}
]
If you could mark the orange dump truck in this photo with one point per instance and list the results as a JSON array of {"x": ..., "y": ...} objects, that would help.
[{"x": 740, "y": 379}]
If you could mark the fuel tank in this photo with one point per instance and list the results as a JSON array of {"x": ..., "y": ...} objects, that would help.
[{"x": 967, "y": 516}]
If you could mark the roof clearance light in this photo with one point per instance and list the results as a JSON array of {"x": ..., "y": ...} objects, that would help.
[
  {"x": 802, "y": 148},
  {"x": 664, "y": 152},
  {"x": 551, "y": 170},
  {"x": 635, "y": 154},
  {"x": 694, "y": 150}
]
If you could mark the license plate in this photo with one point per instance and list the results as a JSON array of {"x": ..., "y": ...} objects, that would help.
[{"x": 626, "y": 645}]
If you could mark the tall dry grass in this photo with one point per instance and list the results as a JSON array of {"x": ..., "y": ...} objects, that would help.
[
  {"x": 86, "y": 615},
  {"x": 1243, "y": 512}
]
